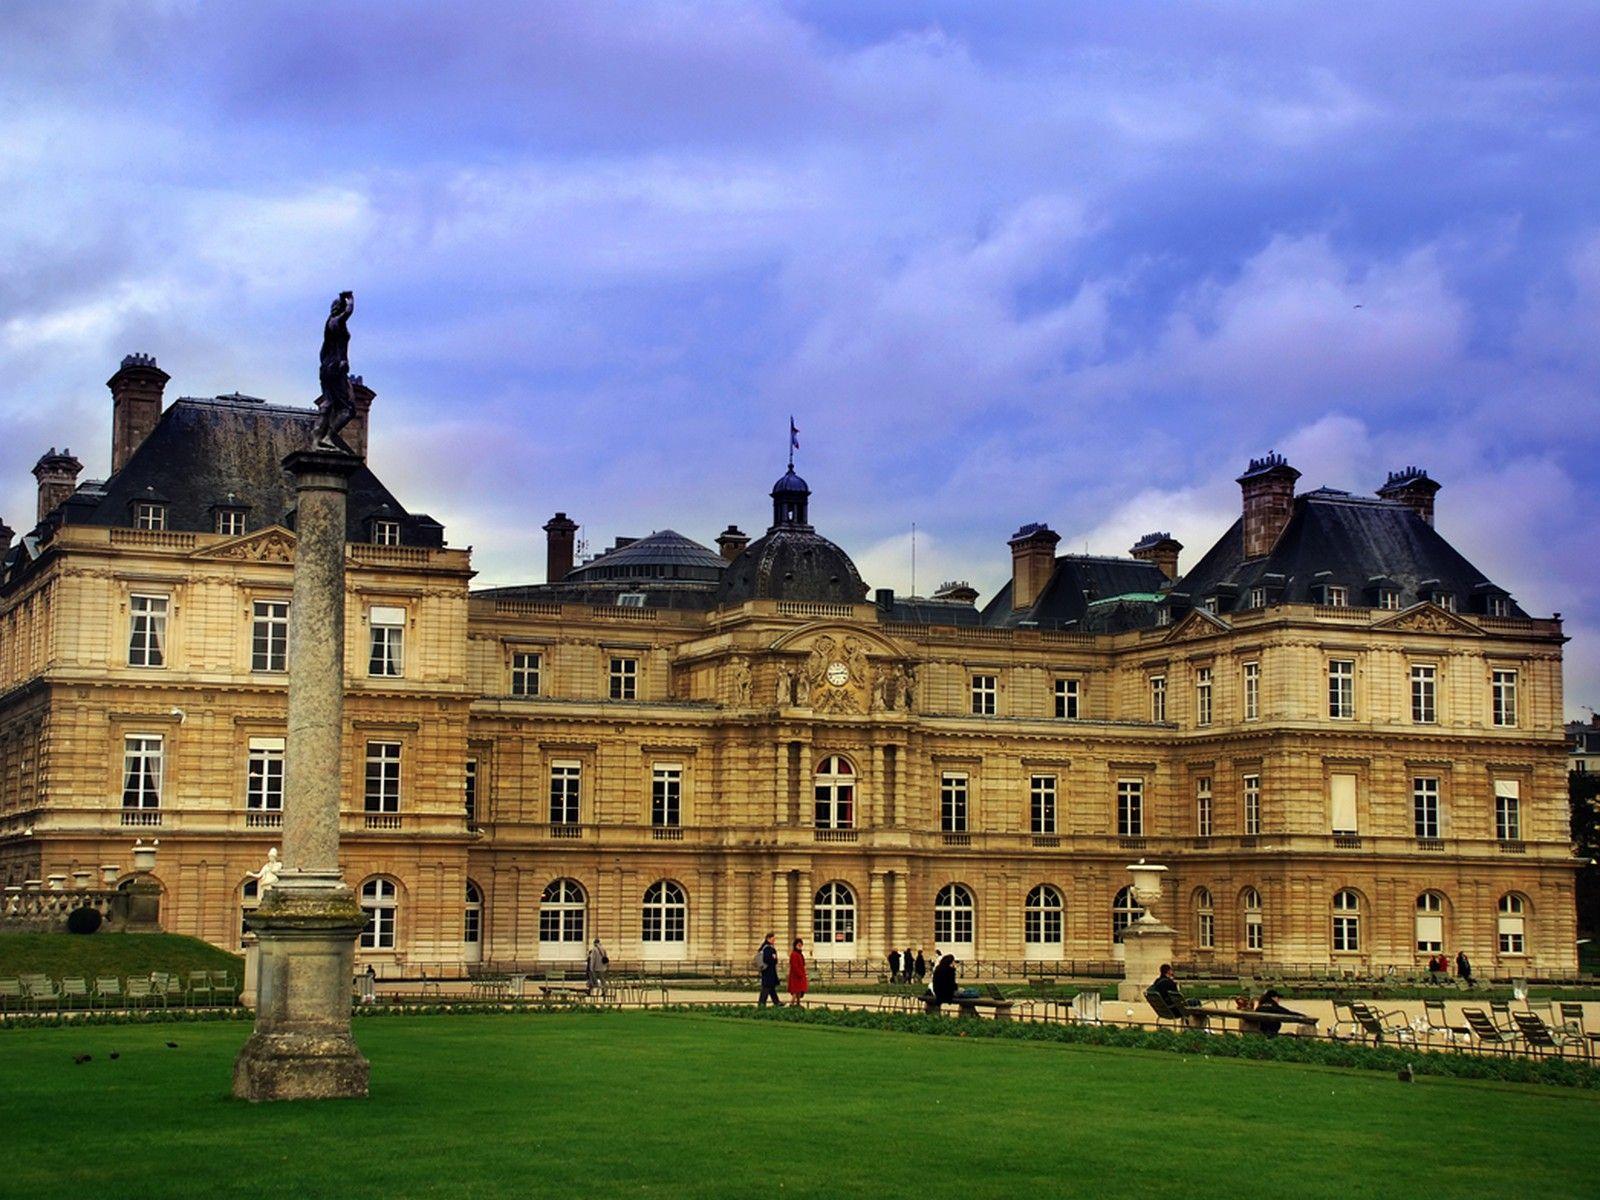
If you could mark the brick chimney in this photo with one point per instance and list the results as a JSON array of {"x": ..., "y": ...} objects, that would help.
[
  {"x": 1161, "y": 549},
  {"x": 560, "y": 533},
  {"x": 1414, "y": 489},
  {"x": 135, "y": 405},
  {"x": 58, "y": 478},
  {"x": 1268, "y": 486},
  {"x": 355, "y": 433},
  {"x": 731, "y": 542},
  {"x": 6, "y": 534},
  {"x": 1033, "y": 559}
]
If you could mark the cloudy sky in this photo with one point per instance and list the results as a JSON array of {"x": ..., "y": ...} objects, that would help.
[{"x": 1003, "y": 263}]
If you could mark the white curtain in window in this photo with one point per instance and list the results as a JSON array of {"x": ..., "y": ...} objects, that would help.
[{"x": 1342, "y": 803}]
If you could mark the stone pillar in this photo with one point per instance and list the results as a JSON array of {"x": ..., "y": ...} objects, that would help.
[
  {"x": 877, "y": 931},
  {"x": 308, "y": 921},
  {"x": 1147, "y": 943}
]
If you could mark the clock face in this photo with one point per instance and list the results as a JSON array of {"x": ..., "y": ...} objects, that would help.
[{"x": 838, "y": 674}]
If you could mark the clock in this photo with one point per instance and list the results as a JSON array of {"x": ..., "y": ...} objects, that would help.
[{"x": 838, "y": 674}]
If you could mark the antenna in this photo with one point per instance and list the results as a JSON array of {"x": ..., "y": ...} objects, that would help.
[{"x": 913, "y": 558}]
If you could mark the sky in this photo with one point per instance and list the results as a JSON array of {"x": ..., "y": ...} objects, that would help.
[{"x": 1073, "y": 263}]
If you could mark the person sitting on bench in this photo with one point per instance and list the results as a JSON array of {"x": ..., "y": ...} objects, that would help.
[
  {"x": 943, "y": 984},
  {"x": 1167, "y": 988},
  {"x": 1272, "y": 1002}
]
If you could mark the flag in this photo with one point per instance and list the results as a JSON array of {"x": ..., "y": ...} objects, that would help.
[{"x": 794, "y": 435}]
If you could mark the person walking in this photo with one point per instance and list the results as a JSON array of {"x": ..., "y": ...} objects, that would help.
[
  {"x": 1463, "y": 967},
  {"x": 894, "y": 966},
  {"x": 798, "y": 984},
  {"x": 767, "y": 956},
  {"x": 906, "y": 965},
  {"x": 922, "y": 967},
  {"x": 598, "y": 961},
  {"x": 944, "y": 982}
]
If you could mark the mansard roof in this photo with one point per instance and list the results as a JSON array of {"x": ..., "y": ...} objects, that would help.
[
  {"x": 1337, "y": 539},
  {"x": 1079, "y": 583},
  {"x": 665, "y": 554}
]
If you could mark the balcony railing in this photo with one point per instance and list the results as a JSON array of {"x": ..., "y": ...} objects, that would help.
[
  {"x": 565, "y": 831},
  {"x": 382, "y": 820},
  {"x": 1512, "y": 847},
  {"x": 1346, "y": 841},
  {"x": 1047, "y": 841},
  {"x": 835, "y": 835},
  {"x": 1133, "y": 843},
  {"x": 666, "y": 833},
  {"x": 958, "y": 839},
  {"x": 258, "y": 818},
  {"x": 143, "y": 817},
  {"x": 1430, "y": 845}
]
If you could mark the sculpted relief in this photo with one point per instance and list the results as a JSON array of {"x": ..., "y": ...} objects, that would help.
[{"x": 837, "y": 676}]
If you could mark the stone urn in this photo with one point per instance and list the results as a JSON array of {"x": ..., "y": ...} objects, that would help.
[
  {"x": 144, "y": 857},
  {"x": 1146, "y": 888},
  {"x": 81, "y": 880},
  {"x": 58, "y": 883},
  {"x": 109, "y": 873}
]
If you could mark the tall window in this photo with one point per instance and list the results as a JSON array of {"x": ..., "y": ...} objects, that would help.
[
  {"x": 1256, "y": 598},
  {"x": 141, "y": 770},
  {"x": 1388, "y": 598},
  {"x": 1158, "y": 699},
  {"x": 1125, "y": 910},
  {"x": 1066, "y": 699},
  {"x": 666, "y": 795},
  {"x": 1202, "y": 806},
  {"x": 1341, "y": 688},
  {"x": 1508, "y": 810},
  {"x": 565, "y": 778},
  {"x": 624, "y": 677},
  {"x": 1424, "y": 694},
  {"x": 1504, "y": 686},
  {"x": 1042, "y": 917},
  {"x": 264, "y": 775},
  {"x": 833, "y": 915},
  {"x": 953, "y": 802},
  {"x": 230, "y": 521},
  {"x": 1252, "y": 804},
  {"x": 1254, "y": 932},
  {"x": 380, "y": 901},
  {"x": 1430, "y": 923},
  {"x": 470, "y": 793},
  {"x": 954, "y": 920},
  {"x": 1346, "y": 922},
  {"x": 386, "y": 533},
  {"x": 147, "y": 631},
  {"x": 666, "y": 913},
  {"x": 1425, "y": 806},
  {"x": 835, "y": 794},
  {"x": 1510, "y": 925},
  {"x": 149, "y": 516},
  {"x": 383, "y": 777},
  {"x": 983, "y": 695},
  {"x": 1202, "y": 696},
  {"x": 1042, "y": 803},
  {"x": 388, "y": 641},
  {"x": 472, "y": 916},
  {"x": 1252, "y": 691},
  {"x": 269, "y": 635},
  {"x": 525, "y": 673},
  {"x": 1205, "y": 920},
  {"x": 1130, "y": 808},
  {"x": 1342, "y": 817},
  {"x": 562, "y": 913}
]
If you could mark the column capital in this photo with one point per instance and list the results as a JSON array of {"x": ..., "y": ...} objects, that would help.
[{"x": 321, "y": 469}]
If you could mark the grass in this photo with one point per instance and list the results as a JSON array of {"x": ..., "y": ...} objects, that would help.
[
  {"x": 650, "y": 1104},
  {"x": 61, "y": 955}
]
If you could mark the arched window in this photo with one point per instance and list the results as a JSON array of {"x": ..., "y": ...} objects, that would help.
[
  {"x": 666, "y": 913},
  {"x": 1125, "y": 911},
  {"x": 472, "y": 923},
  {"x": 954, "y": 920},
  {"x": 249, "y": 897},
  {"x": 1346, "y": 922},
  {"x": 836, "y": 794},
  {"x": 1254, "y": 932},
  {"x": 562, "y": 912},
  {"x": 1205, "y": 920},
  {"x": 380, "y": 901},
  {"x": 1511, "y": 926},
  {"x": 833, "y": 917},
  {"x": 1430, "y": 923},
  {"x": 1042, "y": 916}
]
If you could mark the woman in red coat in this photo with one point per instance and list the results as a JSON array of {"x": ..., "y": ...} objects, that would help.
[{"x": 797, "y": 973}]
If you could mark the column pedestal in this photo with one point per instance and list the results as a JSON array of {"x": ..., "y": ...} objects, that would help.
[{"x": 1145, "y": 948}]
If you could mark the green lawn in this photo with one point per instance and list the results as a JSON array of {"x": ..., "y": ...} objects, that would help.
[
  {"x": 119, "y": 954},
  {"x": 649, "y": 1104}
]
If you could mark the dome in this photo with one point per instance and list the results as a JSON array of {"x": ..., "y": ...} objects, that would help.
[
  {"x": 792, "y": 563},
  {"x": 665, "y": 554},
  {"x": 790, "y": 485}
]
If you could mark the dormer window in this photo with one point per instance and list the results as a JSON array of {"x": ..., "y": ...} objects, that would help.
[
  {"x": 630, "y": 600},
  {"x": 1445, "y": 600},
  {"x": 1209, "y": 604},
  {"x": 1257, "y": 598},
  {"x": 1499, "y": 606},
  {"x": 386, "y": 533},
  {"x": 1163, "y": 616},
  {"x": 149, "y": 515},
  {"x": 230, "y": 521},
  {"x": 1336, "y": 597},
  {"x": 1388, "y": 598}
]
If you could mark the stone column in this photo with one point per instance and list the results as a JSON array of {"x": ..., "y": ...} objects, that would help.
[
  {"x": 1147, "y": 943},
  {"x": 307, "y": 922}
]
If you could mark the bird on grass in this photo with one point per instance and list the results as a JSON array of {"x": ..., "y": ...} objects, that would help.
[
  {"x": 172, "y": 1045},
  {"x": 114, "y": 1055},
  {"x": 80, "y": 1059}
]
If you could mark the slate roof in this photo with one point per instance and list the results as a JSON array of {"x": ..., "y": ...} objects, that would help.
[
  {"x": 665, "y": 554},
  {"x": 1335, "y": 538},
  {"x": 921, "y": 610},
  {"x": 1077, "y": 581},
  {"x": 792, "y": 562}
]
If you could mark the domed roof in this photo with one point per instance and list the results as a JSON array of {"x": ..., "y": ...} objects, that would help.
[
  {"x": 792, "y": 562},
  {"x": 665, "y": 554},
  {"x": 790, "y": 485}
]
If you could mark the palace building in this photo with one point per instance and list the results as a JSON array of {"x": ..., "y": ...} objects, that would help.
[{"x": 1344, "y": 741}]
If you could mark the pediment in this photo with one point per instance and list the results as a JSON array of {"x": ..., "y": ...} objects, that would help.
[
  {"x": 1428, "y": 618},
  {"x": 837, "y": 633},
  {"x": 1198, "y": 624},
  {"x": 274, "y": 544}
]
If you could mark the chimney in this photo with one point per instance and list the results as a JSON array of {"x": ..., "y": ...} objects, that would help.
[
  {"x": 884, "y": 598},
  {"x": 1268, "y": 486},
  {"x": 58, "y": 478},
  {"x": 1033, "y": 558},
  {"x": 355, "y": 432},
  {"x": 1414, "y": 489},
  {"x": 559, "y": 531},
  {"x": 731, "y": 542},
  {"x": 1161, "y": 549},
  {"x": 6, "y": 534},
  {"x": 135, "y": 405},
  {"x": 957, "y": 590}
]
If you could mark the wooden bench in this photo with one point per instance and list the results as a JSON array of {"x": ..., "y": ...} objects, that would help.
[{"x": 969, "y": 1005}]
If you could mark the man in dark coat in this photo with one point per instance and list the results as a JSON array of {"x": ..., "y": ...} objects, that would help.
[
  {"x": 944, "y": 982},
  {"x": 769, "y": 972},
  {"x": 894, "y": 966},
  {"x": 1271, "y": 1002},
  {"x": 1463, "y": 967},
  {"x": 922, "y": 967}
]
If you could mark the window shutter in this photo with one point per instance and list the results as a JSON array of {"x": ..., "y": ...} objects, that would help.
[{"x": 1342, "y": 803}]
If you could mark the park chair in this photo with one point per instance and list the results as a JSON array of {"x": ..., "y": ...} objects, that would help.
[
  {"x": 1500, "y": 1014},
  {"x": 42, "y": 993},
  {"x": 1540, "y": 1038},
  {"x": 1571, "y": 1013},
  {"x": 142, "y": 991},
  {"x": 199, "y": 988},
  {"x": 1164, "y": 1009},
  {"x": 1383, "y": 1026},
  {"x": 223, "y": 989},
  {"x": 73, "y": 990},
  {"x": 168, "y": 985},
  {"x": 1345, "y": 1024},
  {"x": 11, "y": 998},
  {"x": 1439, "y": 1023},
  {"x": 1487, "y": 1032},
  {"x": 108, "y": 989}
]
